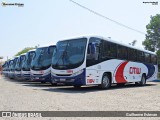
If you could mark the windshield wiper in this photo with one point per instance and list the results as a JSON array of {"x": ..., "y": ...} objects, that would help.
[
  {"x": 65, "y": 56},
  {"x": 62, "y": 56}
]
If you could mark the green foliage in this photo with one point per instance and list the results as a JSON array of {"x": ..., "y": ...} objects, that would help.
[
  {"x": 152, "y": 41},
  {"x": 24, "y": 50}
]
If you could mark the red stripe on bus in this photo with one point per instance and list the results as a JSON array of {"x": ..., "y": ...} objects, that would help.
[{"x": 119, "y": 73}]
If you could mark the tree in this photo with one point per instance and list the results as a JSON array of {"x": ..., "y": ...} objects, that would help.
[
  {"x": 24, "y": 50},
  {"x": 152, "y": 40}
]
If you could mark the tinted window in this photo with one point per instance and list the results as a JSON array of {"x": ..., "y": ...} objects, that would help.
[
  {"x": 147, "y": 58},
  {"x": 94, "y": 51},
  {"x": 140, "y": 56},
  {"x": 109, "y": 49},
  {"x": 113, "y": 50},
  {"x": 122, "y": 52},
  {"x": 132, "y": 54},
  {"x": 153, "y": 59}
]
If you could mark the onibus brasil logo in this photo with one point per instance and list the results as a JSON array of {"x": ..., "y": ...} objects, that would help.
[{"x": 4, "y": 4}]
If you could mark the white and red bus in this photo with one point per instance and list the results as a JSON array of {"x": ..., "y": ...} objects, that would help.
[{"x": 101, "y": 61}]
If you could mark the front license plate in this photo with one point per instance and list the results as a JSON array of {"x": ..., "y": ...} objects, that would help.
[
  {"x": 62, "y": 80},
  {"x": 37, "y": 77}
]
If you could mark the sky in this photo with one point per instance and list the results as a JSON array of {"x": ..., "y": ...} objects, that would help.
[{"x": 41, "y": 22}]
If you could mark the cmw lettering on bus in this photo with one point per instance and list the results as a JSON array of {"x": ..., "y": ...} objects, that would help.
[{"x": 134, "y": 70}]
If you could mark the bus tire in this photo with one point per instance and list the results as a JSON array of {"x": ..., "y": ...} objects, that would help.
[
  {"x": 106, "y": 82},
  {"x": 143, "y": 81}
]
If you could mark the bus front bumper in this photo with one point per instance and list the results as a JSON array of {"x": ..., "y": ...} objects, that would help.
[
  {"x": 26, "y": 76},
  {"x": 18, "y": 76},
  {"x": 70, "y": 80},
  {"x": 40, "y": 78}
]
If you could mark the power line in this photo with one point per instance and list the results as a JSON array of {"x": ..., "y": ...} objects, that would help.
[{"x": 98, "y": 14}]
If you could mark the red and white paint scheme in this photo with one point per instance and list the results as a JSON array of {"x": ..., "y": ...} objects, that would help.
[
  {"x": 121, "y": 71},
  {"x": 101, "y": 61}
]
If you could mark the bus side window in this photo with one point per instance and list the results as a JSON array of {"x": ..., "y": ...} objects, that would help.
[
  {"x": 140, "y": 56},
  {"x": 89, "y": 51},
  {"x": 153, "y": 59},
  {"x": 147, "y": 57},
  {"x": 132, "y": 54},
  {"x": 93, "y": 51}
]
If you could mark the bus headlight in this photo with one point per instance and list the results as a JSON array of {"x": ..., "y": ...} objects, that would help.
[{"x": 77, "y": 73}]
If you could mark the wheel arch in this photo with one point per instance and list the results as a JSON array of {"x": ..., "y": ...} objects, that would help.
[{"x": 110, "y": 75}]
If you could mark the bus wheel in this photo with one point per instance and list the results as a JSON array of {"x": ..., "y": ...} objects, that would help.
[
  {"x": 106, "y": 82},
  {"x": 142, "y": 82}
]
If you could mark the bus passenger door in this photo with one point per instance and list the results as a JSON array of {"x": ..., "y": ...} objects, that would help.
[{"x": 93, "y": 69}]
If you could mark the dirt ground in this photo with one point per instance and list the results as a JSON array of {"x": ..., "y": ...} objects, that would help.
[{"x": 18, "y": 95}]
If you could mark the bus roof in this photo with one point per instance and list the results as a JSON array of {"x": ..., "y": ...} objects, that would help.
[
  {"x": 46, "y": 45},
  {"x": 32, "y": 50},
  {"x": 113, "y": 41},
  {"x": 16, "y": 57},
  {"x": 22, "y": 54}
]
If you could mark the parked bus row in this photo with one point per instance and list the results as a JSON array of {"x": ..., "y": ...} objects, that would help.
[
  {"x": 85, "y": 61},
  {"x": 35, "y": 65}
]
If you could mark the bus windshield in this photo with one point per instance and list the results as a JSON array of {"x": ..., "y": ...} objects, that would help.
[
  {"x": 42, "y": 59},
  {"x": 19, "y": 62},
  {"x": 69, "y": 54},
  {"x": 11, "y": 65},
  {"x": 14, "y": 63},
  {"x": 27, "y": 63}
]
